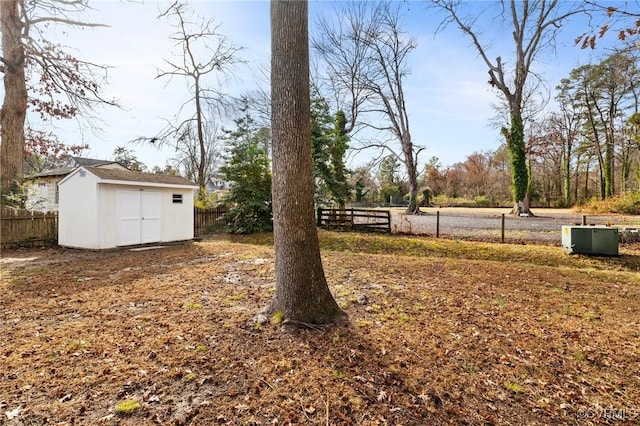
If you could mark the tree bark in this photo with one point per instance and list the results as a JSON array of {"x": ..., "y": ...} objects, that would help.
[
  {"x": 202, "y": 193},
  {"x": 14, "y": 108},
  {"x": 412, "y": 173},
  {"x": 302, "y": 294}
]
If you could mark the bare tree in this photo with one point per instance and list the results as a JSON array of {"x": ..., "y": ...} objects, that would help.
[
  {"x": 197, "y": 40},
  {"x": 188, "y": 158},
  {"x": 365, "y": 53},
  {"x": 566, "y": 124},
  {"x": 534, "y": 24},
  {"x": 39, "y": 75},
  {"x": 302, "y": 294}
]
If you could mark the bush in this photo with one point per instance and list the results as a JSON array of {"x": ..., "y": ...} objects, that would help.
[
  {"x": 249, "y": 197},
  {"x": 254, "y": 215},
  {"x": 623, "y": 204},
  {"x": 483, "y": 201}
]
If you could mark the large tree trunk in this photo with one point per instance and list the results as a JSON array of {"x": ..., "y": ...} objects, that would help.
[
  {"x": 14, "y": 108},
  {"x": 302, "y": 294}
]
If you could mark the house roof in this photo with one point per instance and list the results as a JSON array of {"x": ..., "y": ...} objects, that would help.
[
  {"x": 131, "y": 176},
  {"x": 81, "y": 161},
  {"x": 61, "y": 171}
]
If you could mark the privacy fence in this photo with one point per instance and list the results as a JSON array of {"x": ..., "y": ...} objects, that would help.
[
  {"x": 27, "y": 228},
  {"x": 207, "y": 221}
]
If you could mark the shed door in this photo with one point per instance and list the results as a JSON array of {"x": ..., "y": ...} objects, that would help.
[
  {"x": 138, "y": 218},
  {"x": 150, "y": 229}
]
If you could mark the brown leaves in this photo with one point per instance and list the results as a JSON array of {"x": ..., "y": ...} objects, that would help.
[
  {"x": 488, "y": 341},
  {"x": 603, "y": 30}
]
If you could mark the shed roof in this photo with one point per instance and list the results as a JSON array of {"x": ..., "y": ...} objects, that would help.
[{"x": 131, "y": 176}]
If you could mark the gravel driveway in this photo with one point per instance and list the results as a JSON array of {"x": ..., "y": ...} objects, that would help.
[{"x": 545, "y": 226}]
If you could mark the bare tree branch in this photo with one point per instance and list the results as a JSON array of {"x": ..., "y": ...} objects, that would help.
[
  {"x": 365, "y": 55},
  {"x": 195, "y": 138},
  {"x": 534, "y": 25}
]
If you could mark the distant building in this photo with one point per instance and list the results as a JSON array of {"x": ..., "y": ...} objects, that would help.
[
  {"x": 43, "y": 193},
  {"x": 216, "y": 183}
]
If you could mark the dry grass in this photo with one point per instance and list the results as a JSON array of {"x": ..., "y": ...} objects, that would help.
[{"x": 451, "y": 332}]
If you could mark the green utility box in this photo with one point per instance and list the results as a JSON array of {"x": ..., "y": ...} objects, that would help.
[{"x": 593, "y": 240}]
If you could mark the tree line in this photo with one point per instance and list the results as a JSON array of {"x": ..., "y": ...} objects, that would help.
[{"x": 585, "y": 147}]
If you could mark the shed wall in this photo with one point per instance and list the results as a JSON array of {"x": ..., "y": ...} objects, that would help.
[
  {"x": 78, "y": 224},
  {"x": 176, "y": 219}
]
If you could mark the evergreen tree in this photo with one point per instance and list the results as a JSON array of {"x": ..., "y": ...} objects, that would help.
[
  {"x": 329, "y": 143},
  {"x": 248, "y": 171}
]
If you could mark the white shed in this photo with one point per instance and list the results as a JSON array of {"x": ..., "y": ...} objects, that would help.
[{"x": 105, "y": 208}]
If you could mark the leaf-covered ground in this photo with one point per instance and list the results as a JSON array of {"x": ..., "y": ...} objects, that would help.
[{"x": 439, "y": 332}]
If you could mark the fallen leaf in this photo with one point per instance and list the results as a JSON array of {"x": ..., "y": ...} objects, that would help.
[
  {"x": 106, "y": 418},
  {"x": 13, "y": 413}
]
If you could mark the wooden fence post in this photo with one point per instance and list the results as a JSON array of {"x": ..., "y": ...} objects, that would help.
[
  {"x": 389, "y": 221},
  {"x": 502, "y": 234},
  {"x": 438, "y": 224}
]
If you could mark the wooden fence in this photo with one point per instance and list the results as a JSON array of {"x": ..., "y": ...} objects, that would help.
[
  {"x": 20, "y": 228},
  {"x": 355, "y": 219},
  {"x": 27, "y": 228},
  {"x": 206, "y": 221}
]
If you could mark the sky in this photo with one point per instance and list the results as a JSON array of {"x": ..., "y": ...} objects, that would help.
[{"x": 448, "y": 98}]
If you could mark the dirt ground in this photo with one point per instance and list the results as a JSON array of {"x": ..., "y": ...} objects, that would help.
[{"x": 439, "y": 332}]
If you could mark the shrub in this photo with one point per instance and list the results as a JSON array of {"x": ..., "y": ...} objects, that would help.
[
  {"x": 483, "y": 201},
  {"x": 249, "y": 197},
  {"x": 624, "y": 204}
]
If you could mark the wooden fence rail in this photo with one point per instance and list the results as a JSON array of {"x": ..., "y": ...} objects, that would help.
[
  {"x": 209, "y": 220},
  {"x": 355, "y": 219},
  {"x": 27, "y": 228}
]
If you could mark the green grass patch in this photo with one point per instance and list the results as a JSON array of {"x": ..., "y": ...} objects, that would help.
[
  {"x": 421, "y": 246},
  {"x": 514, "y": 387},
  {"x": 75, "y": 345},
  {"x": 192, "y": 306},
  {"x": 189, "y": 376},
  {"x": 127, "y": 407},
  {"x": 277, "y": 318}
]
